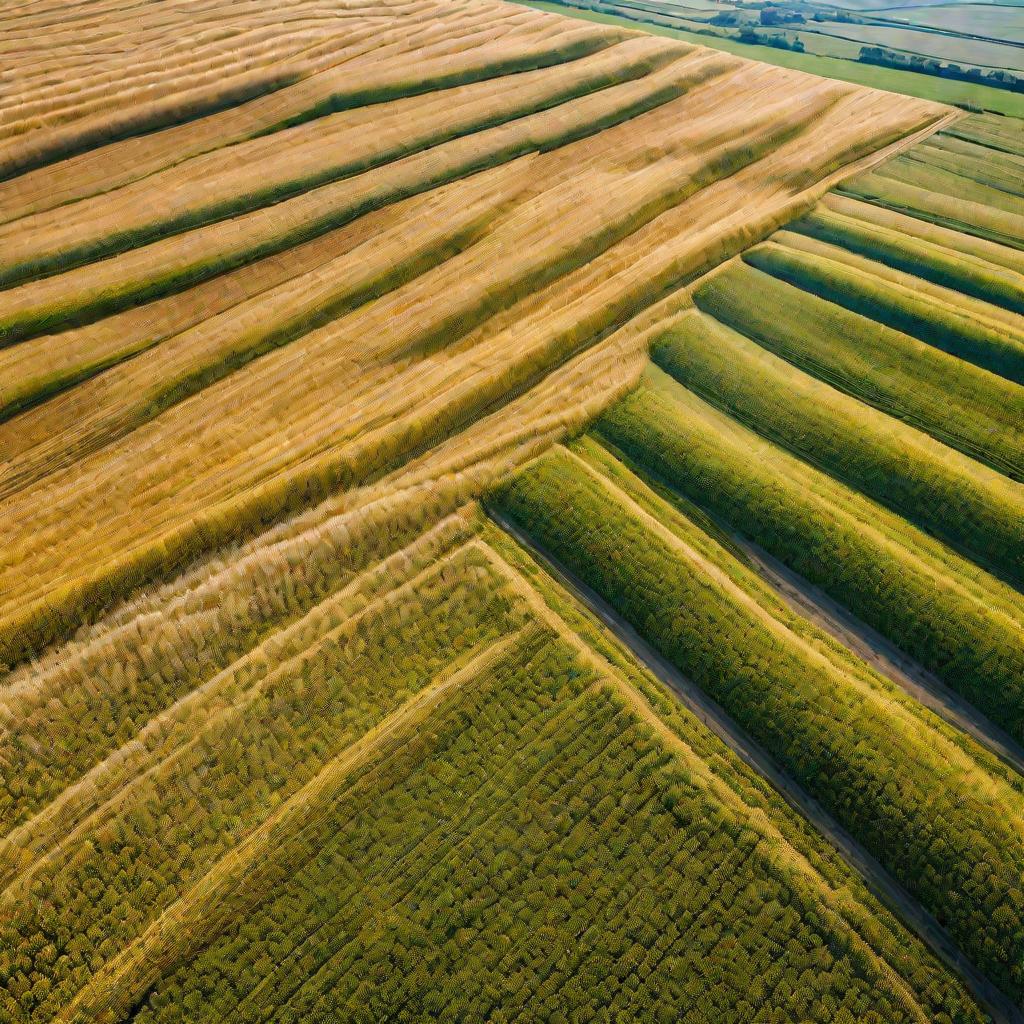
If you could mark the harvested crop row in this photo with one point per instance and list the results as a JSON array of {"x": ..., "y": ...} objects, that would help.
[
  {"x": 320, "y": 95},
  {"x": 96, "y": 413},
  {"x": 434, "y": 30},
  {"x": 807, "y": 702},
  {"x": 181, "y": 261},
  {"x": 235, "y": 180},
  {"x": 372, "y": 256},
  {"x": 323, "y": 92},
  {"x": 656, "y": 256},
  {"x": 973, "y": 508},
  {"x": 35, "y": 371},
  {"x": 959, "y": 404}
]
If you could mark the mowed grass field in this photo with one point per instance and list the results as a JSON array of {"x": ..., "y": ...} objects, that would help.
[{"x": 291, "y": 298}]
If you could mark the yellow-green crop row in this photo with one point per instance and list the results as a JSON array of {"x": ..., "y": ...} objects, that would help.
[
  {"x": 961, "y": 405},
  {"x": 986, "y": 344},
  {"x": 975, "y": 509},
  {"x": 916, "y": 804}
]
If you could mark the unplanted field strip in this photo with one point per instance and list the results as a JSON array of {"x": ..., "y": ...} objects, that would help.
[{"x": 878, "y": 880}]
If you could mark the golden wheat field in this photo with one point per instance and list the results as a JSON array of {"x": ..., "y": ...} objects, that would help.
[{"x": 300, "y": 303}]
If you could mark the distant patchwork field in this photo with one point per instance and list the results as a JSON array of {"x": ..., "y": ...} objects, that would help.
[
  {"x": 959, "y": 53},
  {"x": 502, "y": 518}
]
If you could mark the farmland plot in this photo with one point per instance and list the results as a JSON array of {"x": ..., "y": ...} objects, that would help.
[
  {"x": 289, "y": 728},
  {"x": 836, "y": 424}
]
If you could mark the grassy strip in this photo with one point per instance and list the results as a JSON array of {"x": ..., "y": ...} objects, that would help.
[
  {"x": 413, "y": 86},
  {"x": 962, "y": 406},
  {"x": 978, "y": 512},
  {"x": 910, "y": 171},
  {"x": 928, "y": 87},
  {"x": 906, "y": 225},
  {"x": 112, "y": 245},
  {"x": 89, "y": 308},
  {"x": 952, "y": 269},
  {"x": 989, "y": 170},
  {"x": 951, "y": 211},
  {"x": 821, "y": 726},
  {"x": 978, "y": 155},
  {"x": 1005, "y": 136},
  {"x": 999, "y": 319},
  {"x": 941, "y": 610},
  {"x": 895, "y": 307}
]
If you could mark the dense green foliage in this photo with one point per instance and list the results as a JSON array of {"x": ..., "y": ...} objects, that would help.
[
  {"x": 931, "y": 834},
  {"x": 978, "y": 511},
  {"x": 953, "y": 618},
  {"x": 961, "y": 405},
  {"x": 494, "y": 870},
  {"x": 894, "y": 306}
]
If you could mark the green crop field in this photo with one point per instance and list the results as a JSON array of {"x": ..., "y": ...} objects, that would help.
[{"x": 504, "y": 518}]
